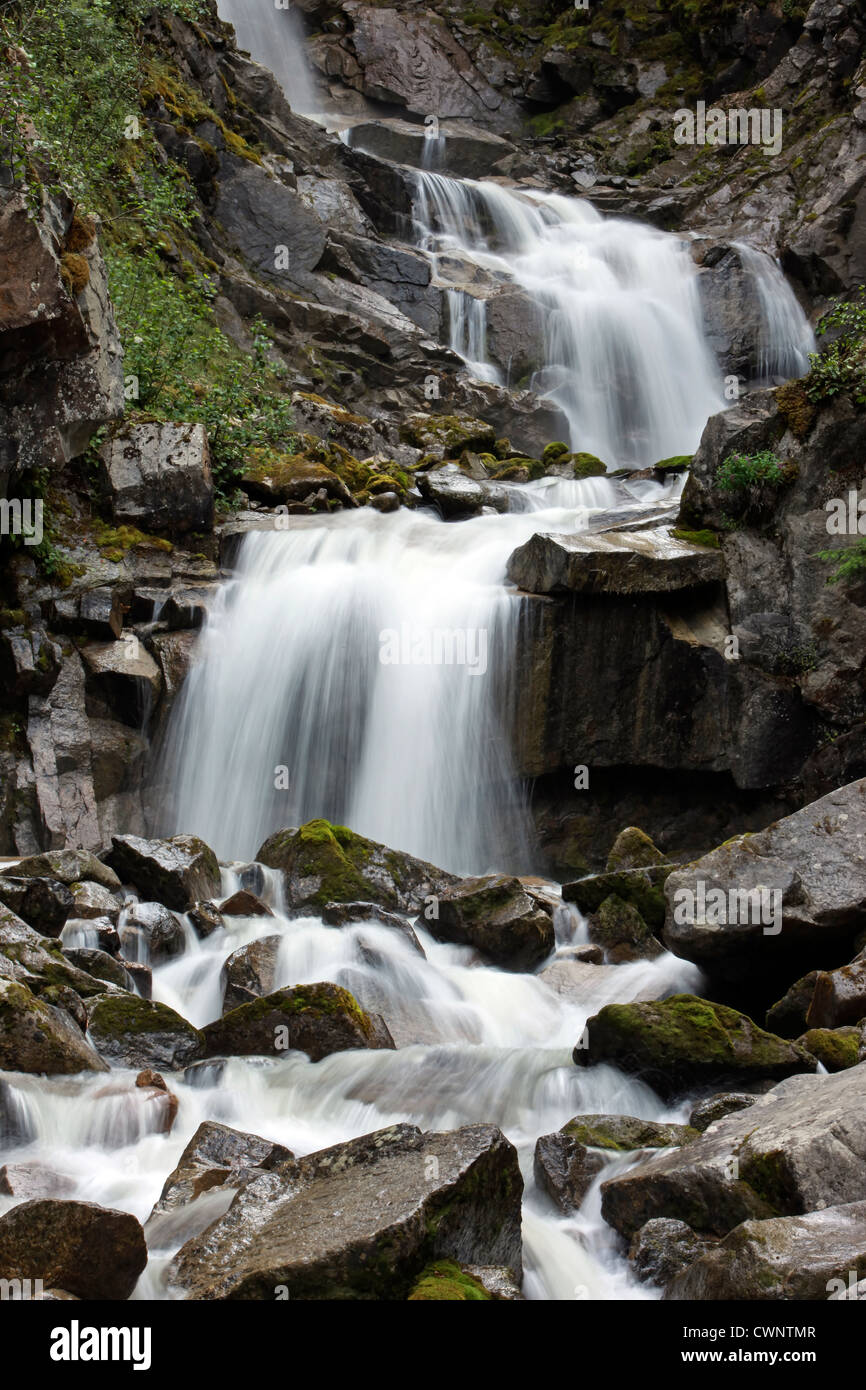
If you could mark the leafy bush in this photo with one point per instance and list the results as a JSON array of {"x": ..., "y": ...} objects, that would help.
[
  {"x": 746, "y": 472},
  {"x": 841, "y": 366}
]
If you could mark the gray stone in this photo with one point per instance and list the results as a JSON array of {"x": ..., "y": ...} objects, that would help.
[
  {"x": 158, "y": 477},
  {"x": 178, "y": 872},
  {"x": 615, "y": 562}
]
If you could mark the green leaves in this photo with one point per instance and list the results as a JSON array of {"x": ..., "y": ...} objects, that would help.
[
  {"x": 743, "y": 472},
  {"x": 841, "y": 366}
]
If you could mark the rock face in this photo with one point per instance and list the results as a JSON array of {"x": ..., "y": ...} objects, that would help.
[
  {"x": 317, "y": 1019},
  {"x": 363, "y": 1219},
  {"x": 797, "y": 1149},
  {"x": 684, "y": 1042},
  {"x": 619, "y": 562},
  {"x": 217, "y": 1156},
  {"x": 792, "y": 1258},
  {"x": 158, "y": 478},
  {"x": 178, "y": 872},
  {"x": 324, "y": 863},
  {"x": 86, "y": 1250},
  {"x": 134, "y": 1032},
  {"x": 499, "y": 918},
  {"x": 37, "y": 1037},
  {"x": 814, "y": 862}
]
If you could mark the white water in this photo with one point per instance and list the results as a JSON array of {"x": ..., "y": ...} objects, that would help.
[
  {"x": 275, "y": 38},
  {"x": 475, "y": 1045},
  {"x": 625, "y": 355},
  {"x": 786, "y": 337},
  {"x": 290, "y": 677}
]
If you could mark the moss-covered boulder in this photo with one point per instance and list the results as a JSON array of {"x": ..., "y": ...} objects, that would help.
[
  {"x": 36, "y": 1037},
  {"x": 133, "y": 1032},
  {"x": 685, "y": 1041},
  {"x": 285, "y": 478},
  {"x": 622, "y": 1133},
  {"x": 446, "y": 436},
  {"x": 587, "y": 466},
  {"x": 643, "y": 888},
  {"x": 553, "y": 451},
  {"x": 66, "y": 866},
  {"x": 317, "y": 1019},
  {"x": 787, "y": 1017},
  {"x": 620, "y": 930},
  {"x": 497, "y": 916},
  {"x": 177, "y": 872},
  {"x": 89, "y": 1251},
  {"x": 633, "y": 849},
  {"x": 835, "y": 1048},
  {"x": 447, "y": 1282},
  {"x": 39, "y": 961},
  {"x": 324, "y": 863}
]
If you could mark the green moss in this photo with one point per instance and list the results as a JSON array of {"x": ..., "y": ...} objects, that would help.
[
  {"x": 836, "y": 1048},
  {"x": 705, "y": 537},
  {"x": 796, "y": 407},
  {"x": 677, "y": 463},
  {"x": 553, "y": 451},
  {"x": 115, "y": 542},
  {"x": 588, "y": 466},
  {"x": 445, "y": 1281},
  {"x": 624, "y": 1133},
  {"x": 119, "y": 1016}
]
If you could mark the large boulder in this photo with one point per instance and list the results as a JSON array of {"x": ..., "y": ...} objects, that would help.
[
  {"x": 156, "y": 932},
  {"x": 813, "y": 861},
  {"x": 217, "y": 1156},
  {"x": 133, "y": 1032},
  {"x": 801, "y": 1147},
  {"x": 662, "y": 1249},
  {"x": 36, "y": 1037},
  {"x": 89, "y": 1251},
  {"x": 623, "y": 1133},
  {"x": 317, "y": 1019},
  {"x": 617, "y": 562},
  {"x": 684, "y": 1042},
  {"x": 66, "y": 866},
  {"x": 44, "y": 903},
  {"x": 793, "y": 1258},
  {"x": 157, "y": 477},
  {"x": 321, "y": 1227},
  {"x": 260, "y": 215},
  {"x": 497, "y": 916},
  {"x": 178, "y": 872},
  {"x": 642, "y": 887},
  {"x": 323, "y": 863},
  {"x": 565, "y": 1170},
  {"x": 124, "y": 677}
]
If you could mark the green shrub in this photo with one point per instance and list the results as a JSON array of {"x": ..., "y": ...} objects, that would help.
[
  {"x": 747, "y": 472},
  {"x": 841, "y": 366}
]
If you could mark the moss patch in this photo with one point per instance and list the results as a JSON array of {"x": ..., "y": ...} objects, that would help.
[{"x": 445, "y": 1281}]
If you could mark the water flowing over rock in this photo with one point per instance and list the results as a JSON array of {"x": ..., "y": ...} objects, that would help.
[
  {"x": 217, "y": 1156},
  {"x": 317, "y": 1019},
  {"x": 451, "y": 1195}
]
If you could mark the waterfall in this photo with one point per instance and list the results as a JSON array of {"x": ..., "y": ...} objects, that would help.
[
  {"x": 786, "y": 338},
  {"x": 622, "y": 344},
  {"x": 275, "y": 38}
]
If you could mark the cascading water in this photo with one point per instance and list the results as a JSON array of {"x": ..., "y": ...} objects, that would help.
[
  {"x": 786, "y": 338},
  {"x": 623, "y": 346},
  {"x": 274, "y": 37}
]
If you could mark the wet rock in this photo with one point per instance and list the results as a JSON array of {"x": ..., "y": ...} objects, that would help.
[
  {"x": 317, "y": 1019},
  {"x": 244, "y": 904},
  {"x": 31, "y": 1180},
  {"x": 472, "y": 150},
  {"x": 323, "y": 863},
  {"x": 295, "y": 478},
  {"x": 133, "y": 1032},
  {"x": 44, "y": 903},
  {"x": 217, "y": 1156},
  {"x": 206, "y": 918},
  {"x": 347, "y": 914},
  {"x": 684, "y": 1041},
  {"x": 839, "y": 997},
  {"x": 68, "y": 866},
  {"x": 497, "y": 916},
  {"x": 178, "y": 872},
  {"x": 798, "y": 1148},
  {"x": 99, "y": 964},
  {"x": 662, "y": 1249},
  {"x": 788, "y": 1016},
  {"x": 450, "y": 490},
  {"x": 156, "y": 928},
  {"x": 317, "y": 1227},
  {"x": 835, "y": 1048},
  {"x": 565, "y": 1170},
  {"x": 87, "y": 1250},
  {"x": 447, "y": 436},
  {"x": 793, "y": 1258},
  {"x": 92, "y": 900},
  {"x": 35, "y": 1037},
  {"x": 716, "y": 1107},
  {"x": 814, "y": 860},
  {"x": 619, "y": 928},
  {"x": 622, "y": 1133},
  {"x": 250, "y": 972},
  {"x": 617, "y": 562},
  {"x": 157, "y": 477},
  {"x": 141, "y": 976}
]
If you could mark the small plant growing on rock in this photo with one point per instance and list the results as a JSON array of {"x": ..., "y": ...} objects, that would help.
[{"x": 841, "y": 365}]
